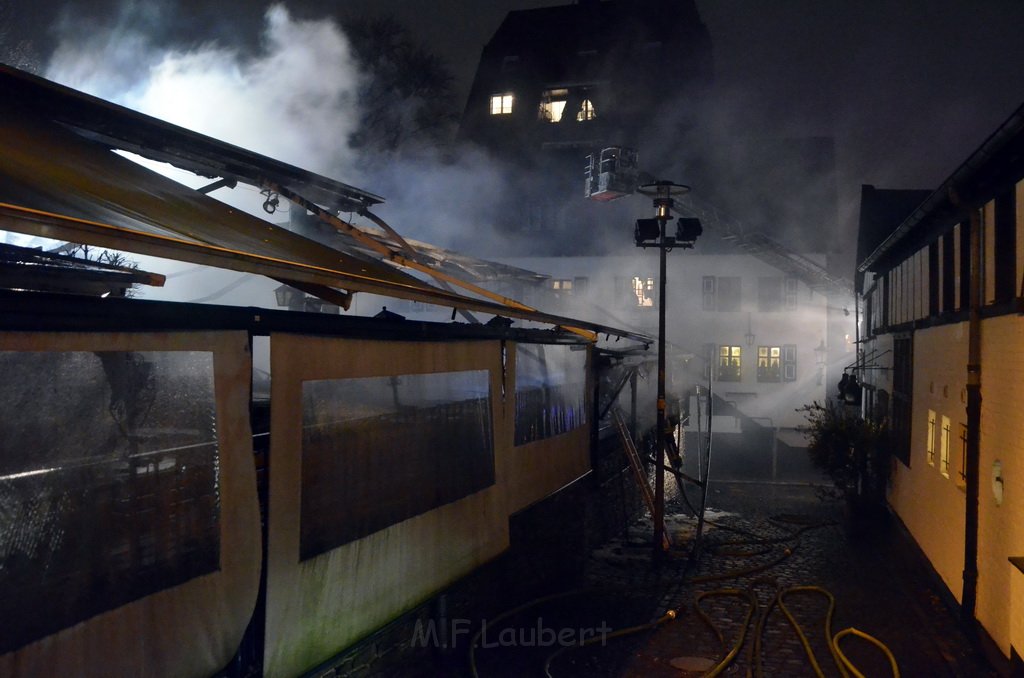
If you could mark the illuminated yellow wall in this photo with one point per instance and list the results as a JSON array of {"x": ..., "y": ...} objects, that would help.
[
  {"x": 931, "y": 505},
  {"x": 1001, "y": 528}
]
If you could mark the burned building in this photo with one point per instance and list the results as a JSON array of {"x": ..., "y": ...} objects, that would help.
[{"x": 143, "y": 530}]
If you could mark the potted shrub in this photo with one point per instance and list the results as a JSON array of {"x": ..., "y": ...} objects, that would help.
[{"x": 854, "y": 453}]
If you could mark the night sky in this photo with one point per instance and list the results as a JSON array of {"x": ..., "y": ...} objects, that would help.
[{"x": 908, "y": 89}]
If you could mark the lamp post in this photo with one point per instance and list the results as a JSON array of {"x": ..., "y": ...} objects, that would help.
[
  {"x": 652, "y": 233},
  {"x": 289, "y": 297}
]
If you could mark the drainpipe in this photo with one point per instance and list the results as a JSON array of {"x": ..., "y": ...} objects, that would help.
[{"x": 972, "y": 462}]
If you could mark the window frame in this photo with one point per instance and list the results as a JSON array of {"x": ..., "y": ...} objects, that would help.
[
  {"x": 562, "y": 285},
  {"x": 770, "y": 294},
  {"x": 729, "y": 297},
  {"x": 767, "y": 373},
  {"x": 730, "y": 363},
  {"x": 587, "y": 111},
  {"x": 789, "y": 372},
  {"x": 502, "y": 103},
  {"x": 644, "y": 290}
]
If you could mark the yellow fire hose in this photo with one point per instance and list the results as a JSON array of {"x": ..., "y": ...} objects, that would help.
[{"x": 845, "y": 666}]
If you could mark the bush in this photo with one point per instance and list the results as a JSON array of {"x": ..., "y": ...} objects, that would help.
[{"x": 852, "y": 451}]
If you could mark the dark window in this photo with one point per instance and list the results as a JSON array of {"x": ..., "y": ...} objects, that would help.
[
  {"x": 792, "y": 293},
  {"x": 579, "y": 284},
  {"x": 109, "y": 486},
  {"x": 965, "y": 264},
  {"x": 789, "y": 362},
  {"x": 708, "y": 293},
  {"x": 1005, "y": 249},
  {"x": 933, "y": 278},
  {"x": 886, "y": 285},
  {"x": 769, "y": 363},
  {"x": 550, "y": 391},
  {"x": 769, "y": 294},
  {"x": 902, "y": 390},
  {"x": 948, "y": 273},
  {"x": 424, "y": 437},
  {"x": 728, "y": 297}
]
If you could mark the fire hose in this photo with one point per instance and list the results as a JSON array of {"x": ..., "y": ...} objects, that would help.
[{"x": 755, "y": 669}]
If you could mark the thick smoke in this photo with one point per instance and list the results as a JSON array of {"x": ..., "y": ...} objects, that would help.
[{"x": 294, "y": 100}]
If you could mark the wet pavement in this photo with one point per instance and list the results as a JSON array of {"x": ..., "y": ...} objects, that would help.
[{"x": 760, "y": 538}]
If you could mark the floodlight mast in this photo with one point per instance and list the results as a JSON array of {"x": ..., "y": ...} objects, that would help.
[
  {"x": 613, "y": 174},
  {"x": 662, "y": 192}
]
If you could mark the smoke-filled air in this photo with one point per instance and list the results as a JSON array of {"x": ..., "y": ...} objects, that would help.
[{"x": 294, "y": 100}]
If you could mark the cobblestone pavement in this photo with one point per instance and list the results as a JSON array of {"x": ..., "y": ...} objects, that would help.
[{"x": 761, "y": 537}]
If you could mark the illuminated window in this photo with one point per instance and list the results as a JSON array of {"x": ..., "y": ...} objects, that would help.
[
  {"x": 769, "y": 363},
  {"x": 944, "y": 448},
  {"x": 587, "y": 111},
  {"x": 643, "y": 289},
  {"x": 501, "y": 104},
  {"x": 552, "y": 104},
  {"x": 729, "y": 363},
  {"x": 931, "y": 437},
  {"x": 563, "y": 285}
]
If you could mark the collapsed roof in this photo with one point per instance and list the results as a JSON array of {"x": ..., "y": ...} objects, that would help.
[{"x": 60, "y": 179}]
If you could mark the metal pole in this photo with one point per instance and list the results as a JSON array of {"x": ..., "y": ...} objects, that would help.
[
  {"x": 972, "y": 470},
  {"x": 659, "y": 467}
]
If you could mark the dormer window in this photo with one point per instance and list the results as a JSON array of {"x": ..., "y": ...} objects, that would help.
[
  {"x": 552, "y": 104},
  {"x": 587, "y": 111},
  {"x": 501, "y": 104}
]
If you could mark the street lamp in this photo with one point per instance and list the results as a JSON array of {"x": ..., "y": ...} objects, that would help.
[
  {"x": 289, "y": 297},
  {"x": 652, "y": 233}
]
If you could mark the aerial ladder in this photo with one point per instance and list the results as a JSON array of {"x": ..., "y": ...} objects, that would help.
[{"x": 613, "y": 173}]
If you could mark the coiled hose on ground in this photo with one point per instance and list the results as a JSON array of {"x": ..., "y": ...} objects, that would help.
[{"x": 755, "y": 666}]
